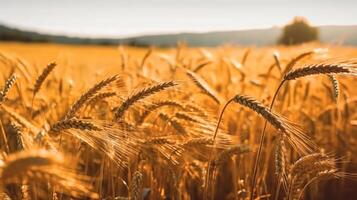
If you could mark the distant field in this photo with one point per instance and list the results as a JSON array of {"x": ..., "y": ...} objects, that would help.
[
  {"x": 345, "y": 35},
  {"x": 149, "y": 132}
]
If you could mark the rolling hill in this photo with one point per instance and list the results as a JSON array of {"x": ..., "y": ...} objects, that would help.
[{"x": 346, "y": 35}]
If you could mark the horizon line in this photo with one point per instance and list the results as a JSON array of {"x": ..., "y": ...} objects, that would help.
[{"x": 127, "y": 36}]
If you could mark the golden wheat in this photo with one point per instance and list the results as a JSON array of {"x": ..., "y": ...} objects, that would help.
[{"x": 116, "y": 142}]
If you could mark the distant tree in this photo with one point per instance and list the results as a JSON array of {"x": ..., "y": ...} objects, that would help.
[{"x": 299, "y": 31}]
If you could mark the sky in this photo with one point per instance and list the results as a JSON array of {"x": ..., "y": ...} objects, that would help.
[{"x": 121, "y": 18}]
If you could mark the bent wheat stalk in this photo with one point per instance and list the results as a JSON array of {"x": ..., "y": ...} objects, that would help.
[
  {"x": 328, "y": 67},
  {"x": 297, "y": 139},
  {"x": 292, "y": 133}
]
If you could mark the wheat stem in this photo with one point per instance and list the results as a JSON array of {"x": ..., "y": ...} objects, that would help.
[{"x": 260, "y": 148}]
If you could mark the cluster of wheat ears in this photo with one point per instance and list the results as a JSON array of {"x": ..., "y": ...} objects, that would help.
[{"x": 174, "y": 126}]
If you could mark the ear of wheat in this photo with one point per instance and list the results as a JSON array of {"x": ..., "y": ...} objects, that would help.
[
  {"x": 141, "y": 94},
  {"x": 136, "y": 186},
  {"x": 245, "y": 56},
  {"x": 203, "y": 85},
  {"x": 174, "y": 123},
  {"x": 158, "y": 141},
  {"x": 119, "y": 141},
  {"x": 39, "y": 81},
  {"x": 336, "y": 88},
  {"x": 298, "y": 140},
  {"x": 146, "y": 56},
  {"x": 344, "y": 67},
  {"x": 228, "y": 153},
  {"x": 307, "y": 169},
  {"x": 201, "y": 65},
  {"x": 74, "y": 124},
  {"x": 8, "y": 85},
  {"x": 157, "y": 105},
  {"x": 123, "y": 57},
  {"x": 100, "y": 97},
  {"x": 280, "y": 161},
  {"x": 19, "y": 140},
  {"x": 198, "y": 141},
  {"x": 20, "y": 119},
  {"x": 90, "y": 93},
  {"x": 197, "y": 108},
  {"x": 188, "y": 117},
  {"x": 277, "y": 61}
]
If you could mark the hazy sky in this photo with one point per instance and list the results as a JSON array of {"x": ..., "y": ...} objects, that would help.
[{"x": 137, "y": 17}]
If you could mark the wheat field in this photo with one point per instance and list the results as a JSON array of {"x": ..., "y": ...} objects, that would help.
[{"x": 94, "y": 122}]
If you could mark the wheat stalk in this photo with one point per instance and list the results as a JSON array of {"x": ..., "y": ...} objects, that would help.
[{"x": 203, "y": 85}]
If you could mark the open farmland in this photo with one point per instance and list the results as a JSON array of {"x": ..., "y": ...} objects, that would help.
[{"x": 89, "y": 122}]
